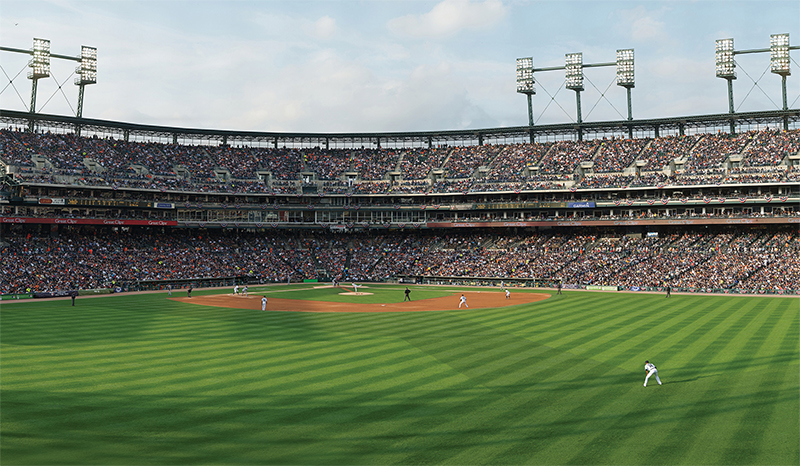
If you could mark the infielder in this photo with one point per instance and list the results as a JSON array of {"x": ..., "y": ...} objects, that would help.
[
  {"x": 263, "y": 303},
  {"x": 508, "y": 294},
  {"x": 650, "y": 368},
  {"x": 355, "y": 287},
  {"x": 463, "y": 301},
  {"x": 235, "y": 289},
  {"x": 244, "y": 291}
]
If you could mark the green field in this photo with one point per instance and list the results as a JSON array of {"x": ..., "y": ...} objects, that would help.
[{"x": 139, "y": 379}]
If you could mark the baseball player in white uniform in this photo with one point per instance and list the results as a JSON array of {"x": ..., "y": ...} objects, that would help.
[
  {"x": 235, "y": 289},
  {"x": 508, "y": 294},
  {"x": 651, "y": 370},
  {"x": 263, "y": 303},
  {"x": 355, "y": 287},
  {"x": 463, "y": 301}
]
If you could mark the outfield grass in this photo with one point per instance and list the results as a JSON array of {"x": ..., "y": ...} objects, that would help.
[{"x": 144, "y": 380}]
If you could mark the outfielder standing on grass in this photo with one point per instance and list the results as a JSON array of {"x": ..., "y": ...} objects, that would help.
[{"x": 650, "y": 369}]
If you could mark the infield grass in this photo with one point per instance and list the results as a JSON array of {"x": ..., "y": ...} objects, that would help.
[{"x": 139, "y": 379}]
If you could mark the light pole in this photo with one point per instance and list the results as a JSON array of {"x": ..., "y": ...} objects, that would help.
[
  {"x": 625, "y": 75},
  {"x": 625, "y": 78},
  {"x": 574, "y": 80},
  {"x": 574, "y": 77},
  {"x": 87, "y": 73},
  {"x": 725, "y": 66},
  {"x": 779, "y": 60},
  {"x": 40, "y": 64},
  {"x": 526, "y": 85},
  {"x": 726, "y": 69}
]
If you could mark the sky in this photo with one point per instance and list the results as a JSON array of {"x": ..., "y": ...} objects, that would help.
[{"x": 382, "y": 66}]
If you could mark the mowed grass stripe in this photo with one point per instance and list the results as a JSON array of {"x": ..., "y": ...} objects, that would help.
[
  {"x": 164, "y": 361},
  {"x": 714, "y": 444},
  {"x": 337, "y": 423},
  {"x": 548, "y": 326},
  {"x": 476, "y": 387},
  {"x": 699, "y": 337},
  {"x": 752, "y": 441},
  {"x": 596, "y": 325},
  {"x": 582, "y": 405},
  {"x": 467, "y": 347},
  {"x": 775, "y": 406},
  {"x": 784, "y": 336},
  {"x": 576, "y": 389},
  {"x": 697, "y": 436},
  {"x": 644, "y": 436}
]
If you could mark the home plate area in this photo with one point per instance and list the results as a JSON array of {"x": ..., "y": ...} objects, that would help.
[{"x": 475, "y": 300}]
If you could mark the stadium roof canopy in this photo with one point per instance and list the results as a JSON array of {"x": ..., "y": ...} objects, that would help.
[{"x": 586, "y": 130}]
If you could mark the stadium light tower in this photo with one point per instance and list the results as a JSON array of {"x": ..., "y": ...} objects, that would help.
[
  {"x": 725, "y": 66},
  {"x": 87, "y": 73},
  {"x": 525, "y": 83},
  {"x": 40, "y": 68},
  {"x": 625, "y": 76},
  {"x": 574, "y": 77},
  {"x": 779, "y": 60},
  {"x": 40, "y": 64}
]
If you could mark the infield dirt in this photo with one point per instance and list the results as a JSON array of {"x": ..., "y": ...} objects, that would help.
[{"x": 475, "y": 300}]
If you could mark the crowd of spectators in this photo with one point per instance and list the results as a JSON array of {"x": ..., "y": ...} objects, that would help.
[
  {"x": 713, "y": 149},
  {"x": 661, "y": 151},
  {"x": 745, "y": 260},
  {"x": 564, "y": 156},
  {"x": 616, "y": 155},
  {"x": 464, "y": 160},
  {"x": 88, "y": 161},
  {"x": 417, "y": 164},
  {"x": 373, "y": 164},
  {"x": 770, "y": 147},
  {"x": 509, "y": 165}
]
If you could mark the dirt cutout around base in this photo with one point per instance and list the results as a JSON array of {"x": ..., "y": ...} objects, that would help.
[{"x": 475, "y": 300}]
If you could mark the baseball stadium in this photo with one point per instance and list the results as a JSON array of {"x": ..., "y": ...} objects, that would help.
[{"x": 176, "y": 295}]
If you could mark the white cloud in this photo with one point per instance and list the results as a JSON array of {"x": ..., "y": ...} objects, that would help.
[
  {"x": 324, "y": 28},
  {"x": 644, "y": 25},
  {"x": 450, "y": 17}
]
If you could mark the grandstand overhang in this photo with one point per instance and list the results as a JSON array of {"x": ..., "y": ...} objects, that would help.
[{"x": 644, "y": 127}]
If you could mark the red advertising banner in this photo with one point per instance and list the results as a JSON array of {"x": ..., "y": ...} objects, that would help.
[
  {"x": 89, "y": 221},
  {"x": 579, "y": 223}
]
